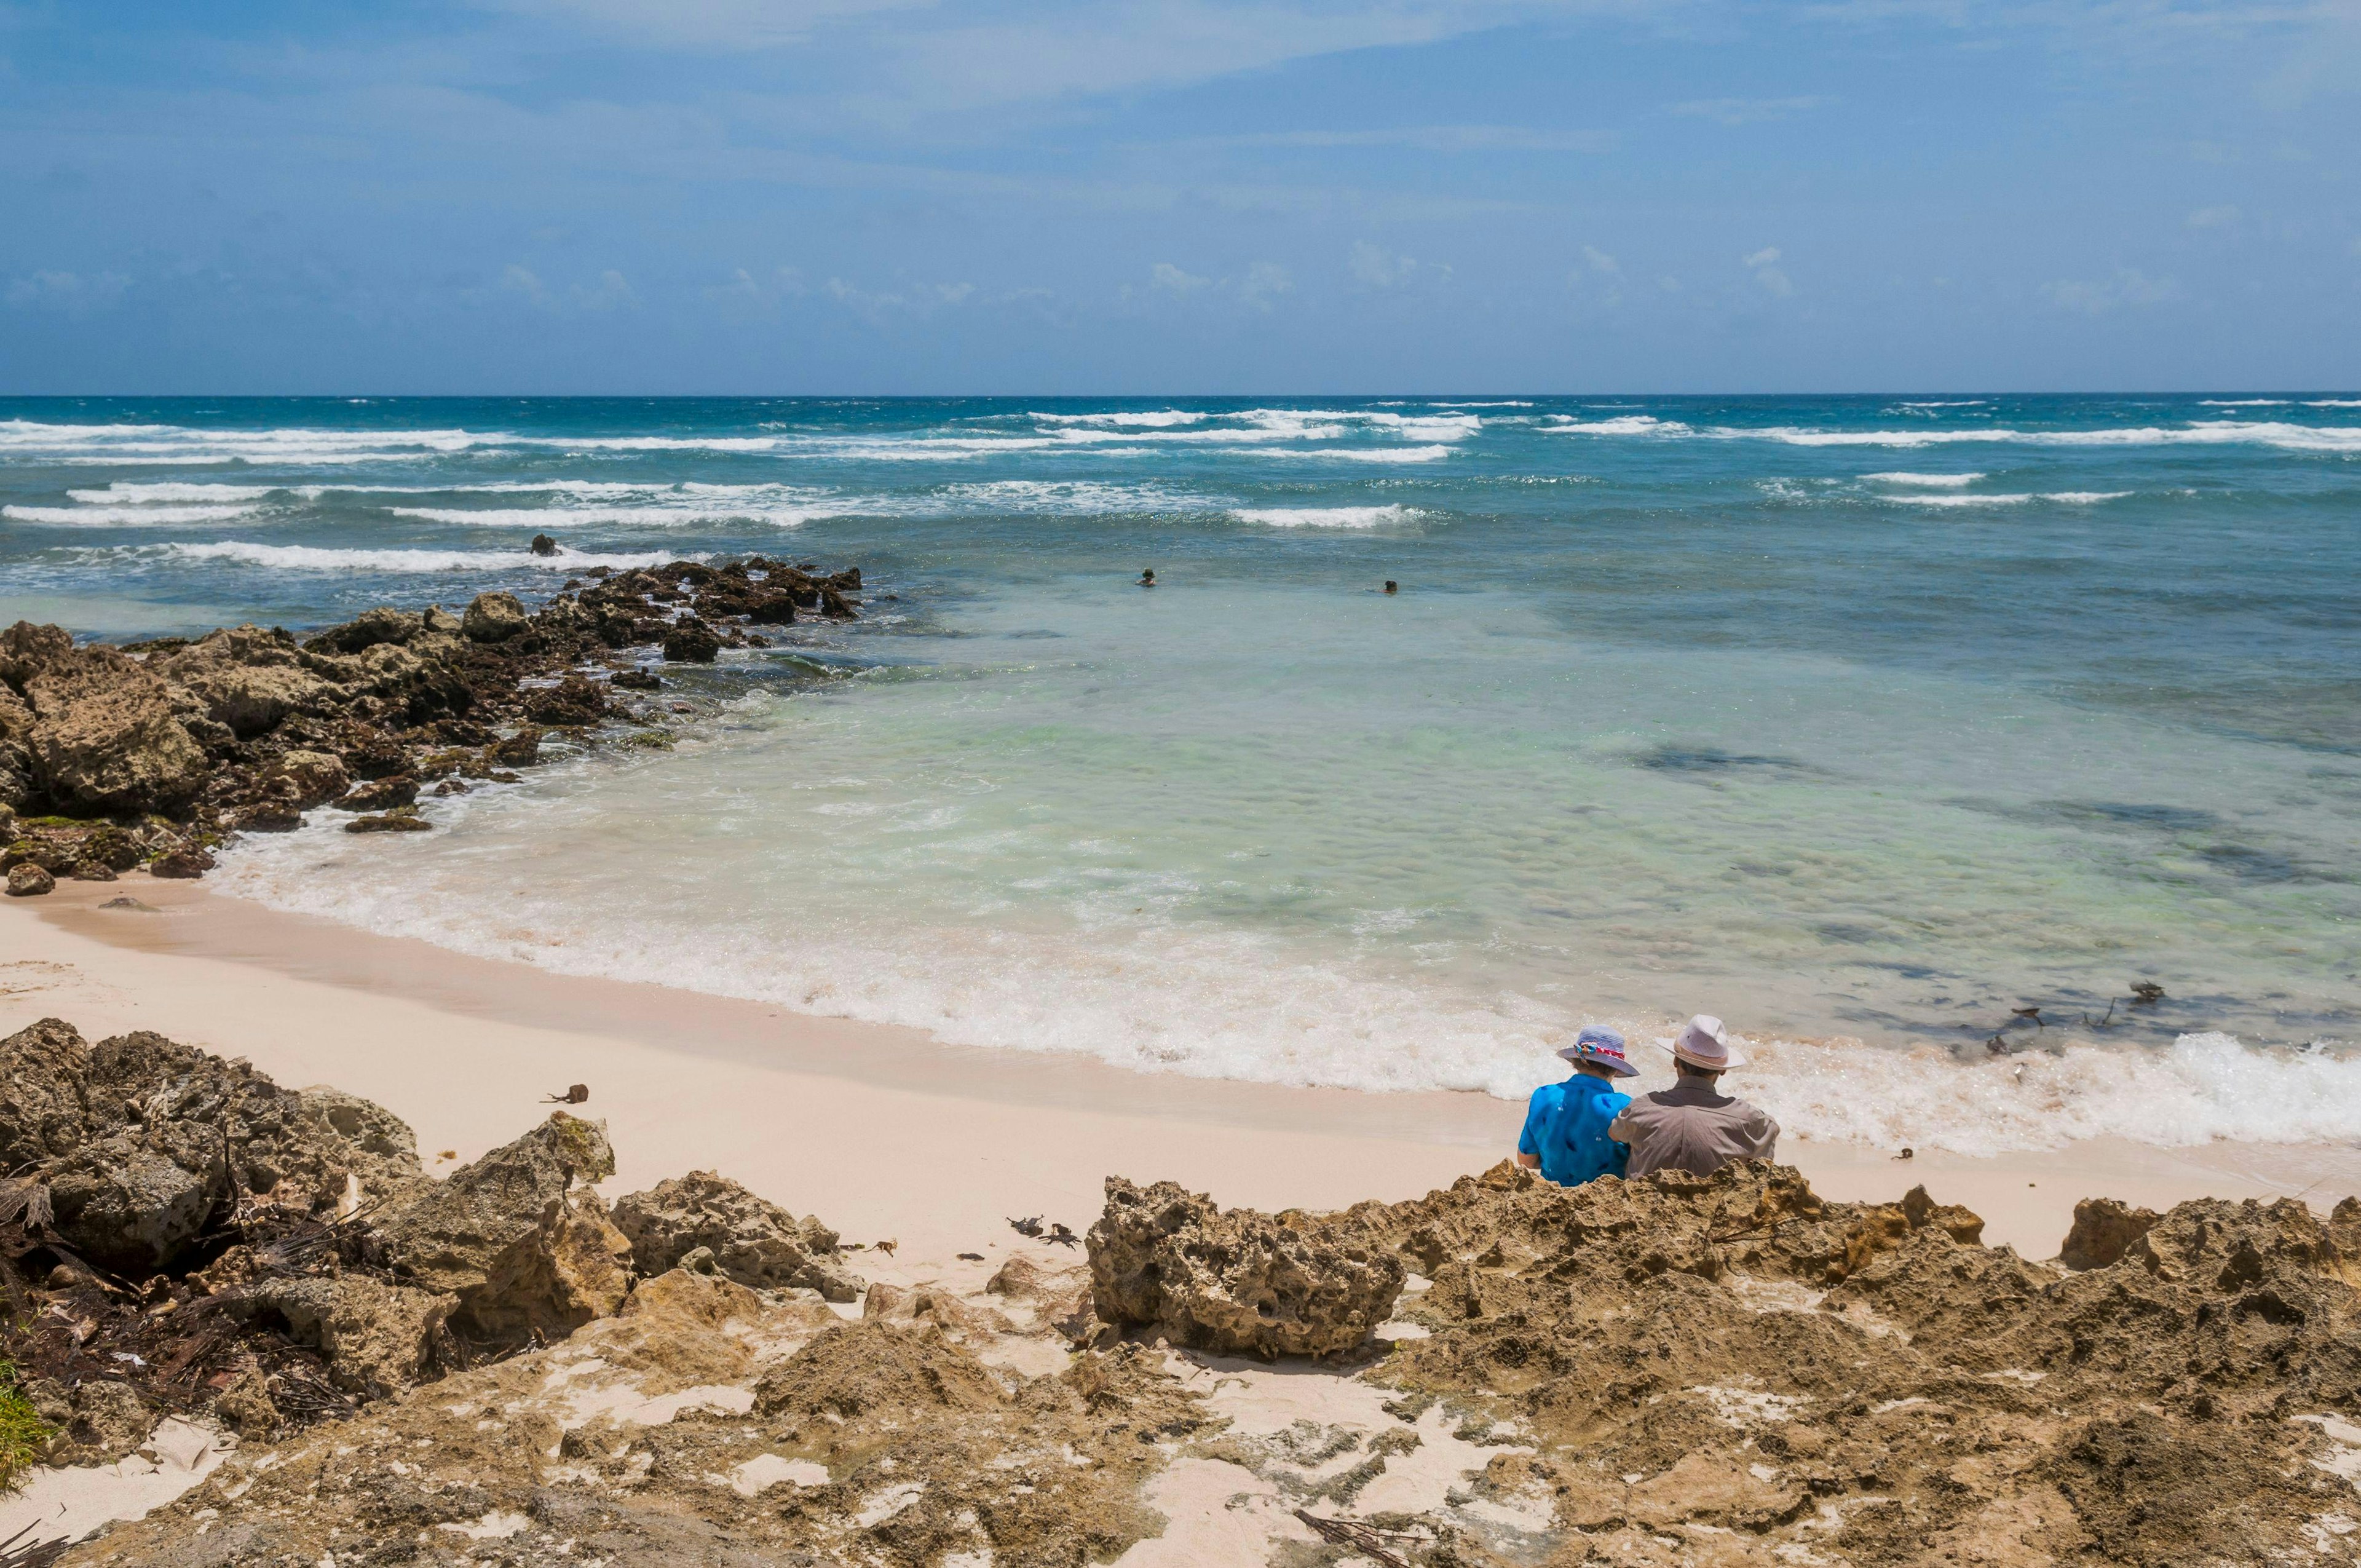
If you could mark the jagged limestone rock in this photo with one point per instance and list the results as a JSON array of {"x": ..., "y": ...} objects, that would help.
[
  {"x": 1237, "y": 1283},
  {"x": 753, "y": 1240}
]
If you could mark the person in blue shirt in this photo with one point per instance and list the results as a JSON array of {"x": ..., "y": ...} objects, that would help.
[{"x": 1566, "y": 1127}]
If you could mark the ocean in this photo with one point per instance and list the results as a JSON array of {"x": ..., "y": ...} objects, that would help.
[{"x": 1861, "y": 723}]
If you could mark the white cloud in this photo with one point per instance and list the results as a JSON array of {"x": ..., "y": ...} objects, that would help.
[
  {"x": 1432, "y": 138},
  {"x": 910, "y": 299},
  {"x": 520, "y": 280},
  {"x": 1381, "y": 269},
  {"x": 763, "y": 293},
  {"x": 72, "y": 292},
  {"x": 2214, "y": 217},
  {"x": 1764, "y": 264},
  {"x": 611, "y": 293},
  {"x": 1600, "y": 260},
  {"x": 1747, "y": 111},
  {"x": 1265, "y": 281},
  {"x": 1170, "y": 278},
  {"x": 2127, "y": 287}
]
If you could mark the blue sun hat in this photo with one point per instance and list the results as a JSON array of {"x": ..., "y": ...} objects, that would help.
[{"x": 1602, "y": 1045}]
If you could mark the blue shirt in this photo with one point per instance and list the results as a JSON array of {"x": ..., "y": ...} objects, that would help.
[{"x": 1566, "y": 1126}]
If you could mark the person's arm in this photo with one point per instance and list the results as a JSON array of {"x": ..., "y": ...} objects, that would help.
[
  {"x": 1621, "y": 1129},
  {"x": 1530, "y": 1162}
]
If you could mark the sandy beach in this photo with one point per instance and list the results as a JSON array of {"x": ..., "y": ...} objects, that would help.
[{"x": 886, "y": 1134}]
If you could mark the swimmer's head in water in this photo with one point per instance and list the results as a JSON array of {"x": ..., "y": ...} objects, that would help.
[
  {"x": 1147, "y": 575},
  {"x": 1390, "y": 585}
]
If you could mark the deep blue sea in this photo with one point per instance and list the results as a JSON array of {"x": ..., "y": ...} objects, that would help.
[{"x": 1858, "y": 721}]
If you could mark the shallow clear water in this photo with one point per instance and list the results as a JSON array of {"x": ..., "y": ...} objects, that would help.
[{"x": 1849, "y": 719}]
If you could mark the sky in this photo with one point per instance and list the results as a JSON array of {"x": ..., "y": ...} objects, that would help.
[{"x": 1170, "y": 196}]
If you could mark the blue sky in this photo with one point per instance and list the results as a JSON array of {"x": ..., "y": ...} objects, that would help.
[{"x": 889, "y": 196}]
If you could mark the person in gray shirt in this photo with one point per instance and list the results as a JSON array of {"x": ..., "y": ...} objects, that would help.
[{"x": 1693, "y": 1126}]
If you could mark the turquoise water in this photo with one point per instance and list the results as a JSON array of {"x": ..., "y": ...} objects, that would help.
[{"x": 1860, "y": 722}]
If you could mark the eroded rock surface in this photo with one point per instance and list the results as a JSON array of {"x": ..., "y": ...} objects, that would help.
[
  {"x": 753, "y": 1240},
  {"x": 523, "y": 1252},
  {"x": 139, "y": 1141},
  {"x": 1240, "y": 1283}
]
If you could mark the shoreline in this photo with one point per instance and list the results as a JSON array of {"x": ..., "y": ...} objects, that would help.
[{"x": 890, "y": 1132}]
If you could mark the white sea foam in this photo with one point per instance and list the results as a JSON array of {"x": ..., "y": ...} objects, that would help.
[
  {"x": 625, "y": 516},
  {"x": 2332, "y": 402},
  {"x": 1627, "y": 424},
  {"x": 1326, "y": 517},
  {"x": 122, "y": 494},
  {"x": 2245, "y": 402},
  {"x": 2062, "y": 497},
  {"x": 1348, "y": 454},
  {"x": 108, "y": 517},
  {"x": 1932, "y": 481},
  {"x": 1161, "y": 420},
  {"x": 316, "y": 558},
  {"x": 2220, "y": 433},
  {"x": 1217, "y": 1003},
  {"x": 2205, "y": 1087}
]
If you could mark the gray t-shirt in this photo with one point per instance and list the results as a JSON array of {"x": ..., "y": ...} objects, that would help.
[{"x": 1689, "y": 1127}]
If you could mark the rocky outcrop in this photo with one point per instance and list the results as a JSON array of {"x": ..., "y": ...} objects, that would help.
[
  {"x": 1239, "y": 1283},
  {"x": 752, "y": 1240},
  {"x": 493, "y": 617},
  {"x": 2104, "y": 1229},
  {"x": 186, "y": 745},
  {"x": 376, "y": 1339},
  {"x": 29, "y": 881},
  {"x": 105, "y": 735},
  {"x": 138, "y": 1141},
  {"x": 513, "y": 1240}
]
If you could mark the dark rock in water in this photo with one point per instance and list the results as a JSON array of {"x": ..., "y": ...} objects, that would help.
[
  {"x": 691, "y": 642},
  {"x": 382, "y": 794},
  {"x": 770, "y": 609},
  {"x": 521, "y": 749},
  {"x": 1235, "y": 1283},
  {"x": 29, "y": 881},
  {"x": 452, "y": 786},
  {"x": 493, "y": 617},
  {"x": 367, "y": 630},
  {"x": 834, "y": 606},
  {"x": 269, "y": 817},
  {"x": 751, "y": 1239},
  {"x": 638, "y": 680},
  {"x": 125, "y": 901},
  {"x": 92, "y": 871},
  {"x": 512, "y": 1236},
  {"x": 311, "y": 778},
  {"x": 574, "y": 700},
  {"x": 373, "y": 756},
  {"x": 2105, "y": 1229},
  {"x": 542, "y": 544},
  {"x": 185, "y": 865},
  {"x": 390, "y": 822}
]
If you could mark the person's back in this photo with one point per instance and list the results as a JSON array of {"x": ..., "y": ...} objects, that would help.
[
  {"x": 1565, "y": 1123},
  {"x": 1575, "y": 1148},
  {"x": 1693, "y": 1126}
]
